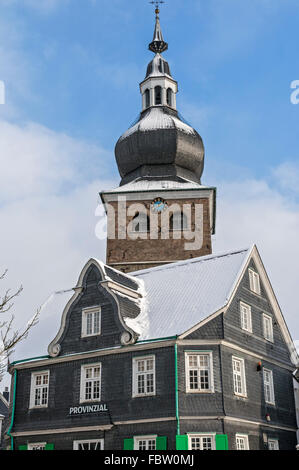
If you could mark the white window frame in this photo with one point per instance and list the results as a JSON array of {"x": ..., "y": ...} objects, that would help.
[
  {"x": 34, "y": 387},
  {"x": 241, "y": 374},
  {"x": 269, "y": 397},
  {"x": 37, "y": 444},
  {"x": 90, "y": 311},
  {"x": 201, "y": 436},
  {"x": 245, "y": 439},
  {"x": 268, "y": 330},
  {"x": 76, "y": 444},
  {"x": 83, "y": 381},
  {"x": 254, "y": 281},
  {"x": 245, "y": 310},
  {"x": 137, "y": 373},
  {"x": 188, "y": 368},
  {"x": 274, "y": 442},
  {"x": 146, "y": 439}
]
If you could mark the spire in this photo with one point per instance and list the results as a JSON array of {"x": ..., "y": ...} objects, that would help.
[{"x": 158, "y": 44}]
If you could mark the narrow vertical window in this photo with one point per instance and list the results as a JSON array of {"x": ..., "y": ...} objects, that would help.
[
  {"x": 245, "y": 312},
  {"x": 268, "y": 387},
  {"x": 242, "y": 442},
  {"x": 178, "y": 221},
  {"x": 39, "y": 390},
  {"x": 239, "y": 377},
  {"x": 169, "y": 96},
  {"x": 147, "y": 98},
  {"x": 158, "y": 95},
  {"x": 91, "y": 321},
  {"x": 90, "y": 383},
  {"x": 141, "y": 223},
  {"x": 144, "y": 381},
  {"x": 254, "y": 282},
  {"x": 267, "y": 327},
  {"x": 199, "y": 377}
]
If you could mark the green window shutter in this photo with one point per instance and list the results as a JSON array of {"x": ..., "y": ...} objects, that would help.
[
  {"x": 49, "y": 447},
  {"x": 129, "y": 444},
  {"x": 161, "y": 443},
  {"x": 182, "y": 442},
  {"x": 221, "y": 442},
  {"x": 23, "y": 447}
]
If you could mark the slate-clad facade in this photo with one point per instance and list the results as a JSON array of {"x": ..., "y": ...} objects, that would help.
[
  {"x": 190, "y": 351},
  {"x": 171, "y": 413}
]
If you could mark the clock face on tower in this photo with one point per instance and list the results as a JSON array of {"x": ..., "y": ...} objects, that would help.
[{"x": 158, "y": 205}]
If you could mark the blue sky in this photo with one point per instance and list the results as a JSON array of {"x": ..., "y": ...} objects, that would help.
[
  {"x": 71, "y": 69},
  {"x": 83, "y": 60}
]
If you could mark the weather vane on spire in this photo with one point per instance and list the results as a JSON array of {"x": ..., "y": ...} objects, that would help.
[{"x": 157, "y": 3}]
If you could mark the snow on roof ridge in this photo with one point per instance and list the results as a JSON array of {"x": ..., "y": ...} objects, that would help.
[{"x": 192, "y": 260}]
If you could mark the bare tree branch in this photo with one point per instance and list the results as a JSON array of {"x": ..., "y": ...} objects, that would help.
[{"x": 9, "y": 336}]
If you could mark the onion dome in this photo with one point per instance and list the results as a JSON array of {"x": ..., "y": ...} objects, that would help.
[{"x": 160, "y": 145}]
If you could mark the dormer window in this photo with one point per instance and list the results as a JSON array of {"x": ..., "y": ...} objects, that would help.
[
  {"x": 147, "y": 98},
  {"x": 91, "y": 321},
  {"x": 169, "y": 96},
  {"x": 158, "y": 95}
]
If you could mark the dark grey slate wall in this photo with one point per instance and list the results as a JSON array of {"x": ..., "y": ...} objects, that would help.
[
  {"x": 64, "y": 392},
  {"x": 211, "y": 330},
  {"x": 113, "y": 439},
  {"x": 254, "y": 341},
  {"x": 199, "y": 404},
  {"x": 254, "y": 406}
]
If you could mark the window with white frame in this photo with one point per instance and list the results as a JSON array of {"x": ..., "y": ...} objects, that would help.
[
  {"x": 94, "y": 444},
  {"x": 91, "y": 321},
  {"x": 201, "y": 441},
  {"x": 199, "y": 372},
  {"x": 239, "y": 377},
  {"x": 39, "y": 392},
  {"x": 245, "y": 312},
  {"x": 268, "y": 386},
  {"x": 267, "y": 327},
  {"x": 273, "y": 444},
  {"x": 254, "y": 282},
  {"x": 144, "y": 380},
  {"x": 37, "y": 446},
  {"x": 145, "y": 443},
  {"x": 90, "y": 383},
  {"x": 242, "y": 442}
]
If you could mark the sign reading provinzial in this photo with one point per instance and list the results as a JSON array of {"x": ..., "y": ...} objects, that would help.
[{"x": 79, "y": 410}]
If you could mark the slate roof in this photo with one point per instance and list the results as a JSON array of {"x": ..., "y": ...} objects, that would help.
[
  {"x": 182, "y": 294},
  {"x": 176, "y": 297}
]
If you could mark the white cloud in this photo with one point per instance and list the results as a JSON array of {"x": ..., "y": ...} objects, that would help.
[
  {"x": 48, "y": 196},
  {"x": 251, "y": 211}
]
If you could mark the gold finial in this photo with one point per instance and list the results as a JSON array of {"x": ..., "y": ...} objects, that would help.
[{"x": 157, "y": 3}]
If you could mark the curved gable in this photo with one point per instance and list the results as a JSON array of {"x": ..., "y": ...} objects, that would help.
[{"x": 95, "y": 289}]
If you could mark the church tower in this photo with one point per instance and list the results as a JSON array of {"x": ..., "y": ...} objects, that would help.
[{"x": 160, "y": 213}]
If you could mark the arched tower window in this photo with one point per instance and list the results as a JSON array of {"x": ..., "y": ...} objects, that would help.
[
  {"x": 158, "y": 95},
  {"x": 169, "y": 96},
  {"x": 147, "y": 98},
  {"x": 178, "y": 221},
  {"x": 141, "y": 223}
]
